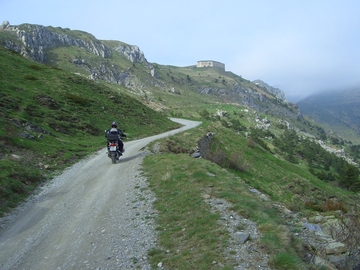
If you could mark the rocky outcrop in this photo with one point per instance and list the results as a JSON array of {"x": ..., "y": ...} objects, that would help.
[
  {"x": 243, "y": 244},
  {"x": 132, "y": 53},
  {"x": 262, "y": 123},
  {"x": 255, "y": 100},
  {"x": 114, "y": 75},
  {"x": 275, "y": 91},
  {"x": 34, "y": 41},
  {"x": 338, "y": 152},
  {"x": 321, "y": 248},
  {"x": 204, "y": 145}
]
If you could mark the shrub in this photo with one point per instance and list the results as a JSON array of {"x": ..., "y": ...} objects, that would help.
[
  {"x": 234, "y": 161},
  {"x": 286, "y": 260},
  {"x": 238, "y": 162},
  {"x": 250, "y": 143},
  {"x": 205, "y": 114},
  {"x": 77, "y": 99},
  {"x": 174, "y": 147},
  {"x": 350, "y": 177},
  {"x": 329, "y": 205},
  {"x": 30, "y": 77},
  {"x": 35, "y": 67},
  {"x": 347, "y": 231}
]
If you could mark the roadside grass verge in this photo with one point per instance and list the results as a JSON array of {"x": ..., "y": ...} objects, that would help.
[{"x": 189, "y": 234}]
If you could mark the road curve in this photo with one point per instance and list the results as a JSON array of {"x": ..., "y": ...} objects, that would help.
[{"x": 86, "y": 218}]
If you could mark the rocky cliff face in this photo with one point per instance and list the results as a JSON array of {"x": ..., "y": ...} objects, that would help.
[
  {"x": 256, "y": 101},
  {"x": 275, "y": 91},
  {"x": 33, "y": 41}
]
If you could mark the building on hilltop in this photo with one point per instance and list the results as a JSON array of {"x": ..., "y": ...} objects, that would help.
[{"x": 210, "y": 63}]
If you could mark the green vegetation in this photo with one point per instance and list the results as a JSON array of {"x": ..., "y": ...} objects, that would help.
[
  {"x": 326, "y": 166},
  {"x": 51, "y": 118},
  {"x": 186, "y": 226},
  {"x": 185, "y": 221}
]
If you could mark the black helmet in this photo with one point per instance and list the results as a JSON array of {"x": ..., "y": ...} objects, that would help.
[{"x": 114, "y": 124}]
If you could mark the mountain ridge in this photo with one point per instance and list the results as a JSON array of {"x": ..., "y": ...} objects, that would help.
[{"x": 40, "y": 43}]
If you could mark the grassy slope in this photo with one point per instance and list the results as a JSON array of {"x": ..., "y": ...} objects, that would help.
[
  {"x": 186, "y": 82},
  {"x": 72, "y": 113},
  {"x": 185, "y": 221}
]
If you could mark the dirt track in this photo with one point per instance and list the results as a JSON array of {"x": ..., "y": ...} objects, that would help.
[{"x": 90, "y": 217}]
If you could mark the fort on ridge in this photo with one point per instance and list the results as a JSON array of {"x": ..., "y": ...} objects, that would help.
[{"x": 210, "y": 63}]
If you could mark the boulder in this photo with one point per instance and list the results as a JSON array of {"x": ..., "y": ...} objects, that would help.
[
  {"x": 242, "y": 237},
  {"x": 323, "y": 264},
  {"x": 335, "y": 248}
]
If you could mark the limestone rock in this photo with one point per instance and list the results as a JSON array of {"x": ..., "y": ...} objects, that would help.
[{"x": 335, "y": 248}]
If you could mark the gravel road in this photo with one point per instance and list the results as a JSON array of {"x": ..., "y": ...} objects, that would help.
[{"x": 95, "y": 215}]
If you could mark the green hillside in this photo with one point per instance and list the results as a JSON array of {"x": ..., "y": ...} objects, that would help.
[
  {"x": 234, "y": 166},
  {"x": 51, "y": 118},
  {"x": 52, "y": 115}
]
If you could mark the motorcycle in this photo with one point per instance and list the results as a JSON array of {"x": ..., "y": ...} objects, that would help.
[{"x": 113, "y": 146}]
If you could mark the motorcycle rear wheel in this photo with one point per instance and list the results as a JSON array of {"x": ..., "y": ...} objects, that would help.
[{"x": 113, "y": 158}]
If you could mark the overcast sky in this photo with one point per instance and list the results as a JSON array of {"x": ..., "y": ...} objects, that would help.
[{"x": 299, "y": 46}]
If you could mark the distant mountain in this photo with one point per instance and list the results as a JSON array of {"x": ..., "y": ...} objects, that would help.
[{"x": 338, "y": 111}]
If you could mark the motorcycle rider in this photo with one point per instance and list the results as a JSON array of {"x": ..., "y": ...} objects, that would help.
[{"x": 119, "y": 133}]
